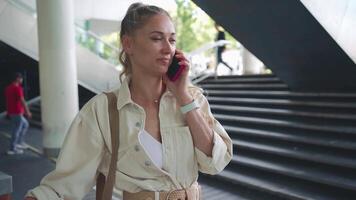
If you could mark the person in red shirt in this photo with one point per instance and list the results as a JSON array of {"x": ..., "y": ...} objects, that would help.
[{"x": 16, "y": 108}]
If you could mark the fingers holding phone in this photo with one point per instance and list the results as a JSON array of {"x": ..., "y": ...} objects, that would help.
[
  {"x": 178, "y": 66},
  {"x": 177, "y": 75}
]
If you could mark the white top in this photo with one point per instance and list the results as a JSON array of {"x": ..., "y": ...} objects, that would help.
[{"x": 152, "y": 147}]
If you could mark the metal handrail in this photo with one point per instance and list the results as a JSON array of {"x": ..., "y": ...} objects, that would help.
[
  {"x": 82, "y": 33},
  {"x": 197, "y": 76},
  {"x": 208, "y": 46},
  {"x": 96, "y": 37}
]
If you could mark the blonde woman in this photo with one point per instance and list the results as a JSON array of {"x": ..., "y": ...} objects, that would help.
[{"x": 167, "y": 132}]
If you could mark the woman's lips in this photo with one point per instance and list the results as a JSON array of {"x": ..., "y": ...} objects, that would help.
[{"x": 164, "y": 61}]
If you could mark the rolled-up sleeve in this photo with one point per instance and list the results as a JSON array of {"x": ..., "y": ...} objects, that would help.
[
  {"x": 222, "y": 149},
  {"x": 77, "y": 164}
]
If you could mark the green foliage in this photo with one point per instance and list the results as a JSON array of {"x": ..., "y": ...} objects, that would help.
[
  {"x": 185, "y": 19},
  {"x": 194, "y": 27}
]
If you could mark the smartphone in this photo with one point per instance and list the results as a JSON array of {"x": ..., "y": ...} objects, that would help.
[{"x": 175, "y": 70}]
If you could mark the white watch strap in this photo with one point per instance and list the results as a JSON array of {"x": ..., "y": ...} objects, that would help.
[{"x": 191, "y": 106}]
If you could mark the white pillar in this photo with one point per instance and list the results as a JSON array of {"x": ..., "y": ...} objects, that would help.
[
  {"x": 251, "y": 64},
  {"x": 58, "y": 72}
]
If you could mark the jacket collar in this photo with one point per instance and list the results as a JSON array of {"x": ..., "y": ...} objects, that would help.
[{"x": 123, "y": 94}]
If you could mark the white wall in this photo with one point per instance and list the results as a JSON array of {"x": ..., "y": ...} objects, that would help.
[
  {"x": 338, "y": 17},
  {"x": 18, "y": 29},
  {"x": 95, "y": 73}
]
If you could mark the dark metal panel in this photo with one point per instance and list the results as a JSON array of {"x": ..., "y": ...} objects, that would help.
[{"x": 289, "y": 40}]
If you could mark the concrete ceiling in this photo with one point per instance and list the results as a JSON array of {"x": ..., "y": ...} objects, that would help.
[
  {"x": 104, "y": 16},
  {"x": 106, "y": 9},
  {"x": 112, "y": 9}
]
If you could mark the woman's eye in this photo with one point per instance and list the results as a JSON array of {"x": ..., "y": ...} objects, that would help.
[{"x": 156, "y": 39}]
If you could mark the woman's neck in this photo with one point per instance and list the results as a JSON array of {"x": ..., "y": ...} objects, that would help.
[{"x": 146, "y": 90}]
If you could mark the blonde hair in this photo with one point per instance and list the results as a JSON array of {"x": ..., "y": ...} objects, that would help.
[{"x": 135, "y": 18}]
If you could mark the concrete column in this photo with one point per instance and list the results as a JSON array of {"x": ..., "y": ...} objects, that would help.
[
  {"x": 251, "y": 64},
  {"x": 58, "y": 72}
]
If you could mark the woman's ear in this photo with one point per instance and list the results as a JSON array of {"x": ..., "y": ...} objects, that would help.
[{"x": 127, "y": 44}]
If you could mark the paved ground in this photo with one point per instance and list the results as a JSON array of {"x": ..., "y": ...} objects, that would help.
[{"x": 26, "y": 170}]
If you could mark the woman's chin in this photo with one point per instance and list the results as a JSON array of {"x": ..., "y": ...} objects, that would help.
[
  {"x": 162, "y": 69},
  {"x": 160, "y": 73}
]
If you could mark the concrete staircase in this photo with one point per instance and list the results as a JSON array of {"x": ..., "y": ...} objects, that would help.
[{"x": 287, "y": 145}]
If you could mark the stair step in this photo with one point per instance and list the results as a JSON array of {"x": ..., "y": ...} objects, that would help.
[
  {"x": 264, "y": 86},
  {"x": 286, "y": 187},
  {"x": 318, "y": 173},
  {"x": 321, "y": 104},
  {"x": 237, "y": 110},
  {"x": 314, "y": 138},
  {"x": 36, "y": 104},
  {"x": 241, "y": 192},
  {"x": 36, "y": 117},
  {"x": 347, "y": 97},
  {"x": 36, "y": 123},
  {"x": 241, "y": 80},
  {"x": 273, "y": 123},
  {"x": 329, "y": 156},
  {"x": 35, "y": 109},
  {"x": 243, "y": 76}
]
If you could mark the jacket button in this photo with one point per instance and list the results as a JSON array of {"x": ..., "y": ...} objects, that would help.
[
  {"x": 137, "y": 148},
  {"x": 147, "y": 163},
  {"x": 138, "y": 124}
]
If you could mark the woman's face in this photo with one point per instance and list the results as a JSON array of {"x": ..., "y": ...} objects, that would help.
[{"x": 152, "y": 46}]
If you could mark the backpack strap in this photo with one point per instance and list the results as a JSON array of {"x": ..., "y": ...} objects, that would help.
[{"x": 105, "y": 186}]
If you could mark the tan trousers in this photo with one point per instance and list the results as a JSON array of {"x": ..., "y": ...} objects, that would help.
[{"x": 191, "y": 193}]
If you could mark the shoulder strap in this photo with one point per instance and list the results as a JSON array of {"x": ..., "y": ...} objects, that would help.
[{"x": 104, "y": 188}]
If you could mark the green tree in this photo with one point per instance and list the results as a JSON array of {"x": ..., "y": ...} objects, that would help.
[
  {"x": 194, "y": 27},
  {"x": 184, "y": 20}
]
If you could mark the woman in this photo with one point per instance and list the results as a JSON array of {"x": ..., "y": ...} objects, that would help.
[{"x": 161, "y": 148}]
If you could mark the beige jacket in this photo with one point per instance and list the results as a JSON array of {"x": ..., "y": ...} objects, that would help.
[{"x": 85, "y": 152}]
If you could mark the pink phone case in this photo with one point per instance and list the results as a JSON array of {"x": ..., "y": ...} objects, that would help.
[{"x": 179, "y": 72}]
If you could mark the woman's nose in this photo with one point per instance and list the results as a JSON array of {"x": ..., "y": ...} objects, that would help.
[{"x": 168, "y": 47}]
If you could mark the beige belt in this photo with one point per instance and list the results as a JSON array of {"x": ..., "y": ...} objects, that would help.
[{"x": 191, "y": 193}]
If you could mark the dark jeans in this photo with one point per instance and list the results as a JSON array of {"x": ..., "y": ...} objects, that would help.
[
  {"x": 220, "y": 60},
  {"x": 19, "y": 129}
]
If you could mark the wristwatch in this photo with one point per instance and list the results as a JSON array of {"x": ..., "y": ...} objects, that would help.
[{"x": 189, "y": 107}]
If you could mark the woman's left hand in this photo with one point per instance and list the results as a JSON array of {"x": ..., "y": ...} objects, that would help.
[{"x": 179, "y": 87}]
